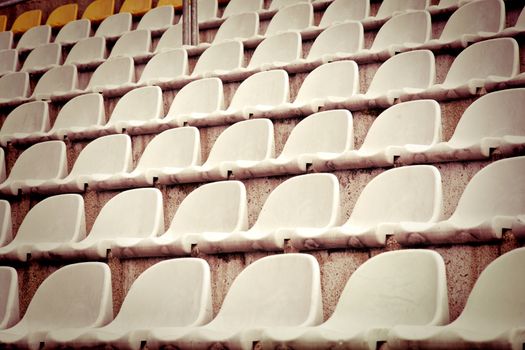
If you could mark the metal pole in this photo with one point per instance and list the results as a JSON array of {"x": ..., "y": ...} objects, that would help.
[
  {"x": 194, "y": 23},
  {"x": 186, "y": 22}
]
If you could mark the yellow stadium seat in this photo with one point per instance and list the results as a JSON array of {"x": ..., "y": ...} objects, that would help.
[
  {"x": 177, "y": 4},
  {"x": 27, "y": 20},
  {"x": 3, "y": 22},
  {"x": 98, "y": 10},
  {"x": 136, "y": 7},
  {"x": 62, "y": 15}
]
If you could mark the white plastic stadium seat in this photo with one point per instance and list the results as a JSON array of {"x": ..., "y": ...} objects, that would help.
[
  {"x": 214, "y": 208},
  {"x": 42, "y": 58},
  {"x": 135, "y": 44},
  {"x": 478, "y": 132},
  {"x": 235, "y": 7},
  {"x": 29, "y": 119},
  {"x": 246, "y": 141},
  {"x": 207, "y": 10},
  {"x": 278, "y": 4},
  {"x": 157, "y": 18},
  {"x": 400, "y": 133},
  {"x": 276, "y": 51},
  {"x": 393, "y": 288},
  {"x": 74, "y": 296},
  {"x": 390, "y": 8},
  {"x": 9, "y": 310},
  {"x": 6, "y": 233},
  {"x": 238, "y": 27},
  {"x": 73, "y": 32},
  {"x": 115, "y": 74},
  {"x": 410, "y": 194},
  {"x": 220, "y": 58},
  {"x": 189, "y": 108},
  {"x": 492, "y": 201},
  {"x": 339, "y": 40},
  {"x": 40, "y": 162},
  {"x": 2, "y": 165},
  {"x": 320, "y": 134},
  {"x": 87, "y": 51},
  {"x": 171, "y": 39},
  {"x": 51, "y": 222},
  {"x": 345, "y": 10},
  {"x": 171, "y": 293},
  {"x": 496, "y": 295},
  {"x": 131, "y": 214},
  {"x": 14, "y": 87},
  {"x": 78, "y": 116},
  {"x": 172, "y": 148},
  {"x": 34, "y": 37},
  {"x": 95, "y": 163},
  {"x": 280, "y": 290},
  {"x": 6, "y": 40},
  {"x": 295, "y": 17},
  {"x": 114, "y": 25},
  {"x": 8, "y": 61},
  {"x": 56, "y": 81},
  {"x": 164, "y": 67},
  {"x": 302, "y": 203}
]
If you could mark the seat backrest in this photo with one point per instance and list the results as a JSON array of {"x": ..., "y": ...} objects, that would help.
[
  {"x": 95, "y": 159},
  {"x": 328, "y": 131},
  {"x": 475, "y": 17},
  {"x": 76, "y": 295},
  {"x": 325, "y": 81},
  {"x": 390, "y": 7},
  {"x": 411, "y": 193},
  {"x": 178, "y": 147},
  {"x": 34, "y": 37},
  {"x": 497, "y": 295},
  {"x": 6, "y": 40},
  {"x": 87, "y": 50},
  {"x": 143, "y": 103},
  {"x": 5, "y": 224},
  {"x": 345, "y": 10},
  {"x": 134, "y": 43},
  {"x": 171, "y": 293},
  {"x": 59, "y": 79},
  {"x": 44, "y": 160},
  {"x": 283, "y": 48},
  {"x": 188, "y": 98},
  {"x": 14, "y": 85},
  {"x": 98, "y": 10},
  {"x": 235, "y": 7},
  {"x": 81, "y": 111},
  {"x": 277, "y": 290},
  {"x": 136, "y": 7},
  {"x": 520, "y": 22},
  {"x": 114, "y": 25},
  {"x": 495, "y": 57},
  {"x": 43, "y": 56},
  {"x": 405, "y": 287},
  {"x": 225, "y": 56},
  {"x": 407, "y": 123},
  {"x": 278, "y": 4},
  {"x": 26, "y": 21},
  {"x": 171, "y": 39},
  {"x": 2, "y": 165},
  {"x": 263, "y": 88},
  {"x": 27, "y": 118},
  {"x": 496, "y": 190},
  {"x": 240, "y": 26},
  {"x": 346, "y": 38},
  {"x": 62, "y": 15},
  {"x": 57, "y": 219},
  {"x": 114, "y": 71},
  {"x": 413, "y": 27},
  {"x": 74, "y": 31},
  {"x": 207, "y": 9},
  {"x": 294, "y": 17},
  {"x": 8, "y": 61},
  {"x": 396, "y": 72},
  {"x": 479, "y": 119},
  {"x": 136, "y": 213},
  {"x": 166, "y": 65},
  {"x": 310, "y": 200},
  {"x": 246, "y": 140},
  {"x": 9, "y": 311},
  {"x": 215, "y": 207},
  {"x": 157, "y": 18}
]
